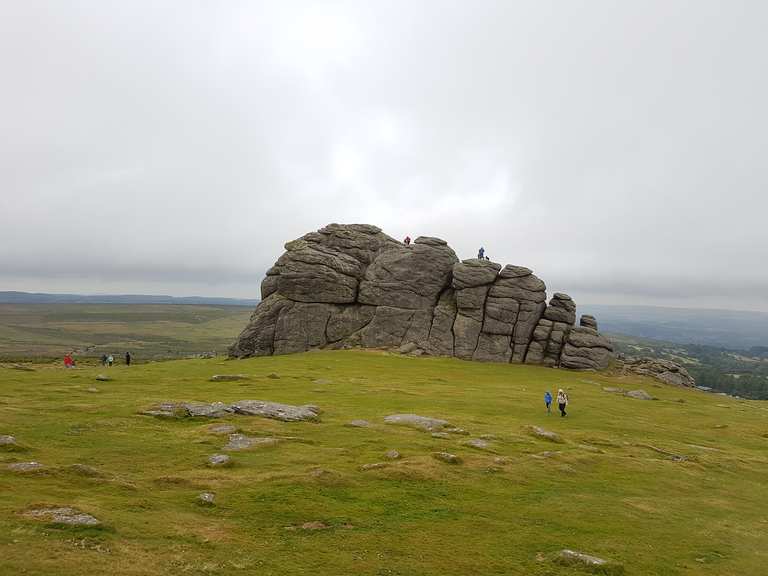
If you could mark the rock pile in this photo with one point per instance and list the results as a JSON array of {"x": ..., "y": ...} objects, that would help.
[{"x": 352, "y": 285}]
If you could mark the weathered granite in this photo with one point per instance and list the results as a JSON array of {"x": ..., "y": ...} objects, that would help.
[{"x": 351, "y": 285}]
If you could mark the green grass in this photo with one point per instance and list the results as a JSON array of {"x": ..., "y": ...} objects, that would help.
[
  {"x": 604, "y": 492},
  {"x": 147, "y": 330}
]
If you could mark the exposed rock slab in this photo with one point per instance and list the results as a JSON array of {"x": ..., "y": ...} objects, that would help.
[
  {"x": 62, "y": 515},
  {"x": 423, "y": 423},
  {"x": 588, "y": 563},
  {"x": 663, "y": 370}
]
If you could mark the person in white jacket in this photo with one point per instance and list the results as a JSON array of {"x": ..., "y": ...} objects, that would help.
[{"x": 562, "y": 401}]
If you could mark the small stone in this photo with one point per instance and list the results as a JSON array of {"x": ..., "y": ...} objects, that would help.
[
  {"x": 25, "y": 466},
  {"x": 62, "y": 515},
  {"x": 613, "y": 390},
  {"x": 454, "y": 430},
  {"x": 321, "y": 381},
  {"x": 392, "y": 455},
  {"x": 590, "y": 563},
  {"x": 639, "y": 395},
  {"x": 92, "y": 390},
  {"x": 500, "y": 460},
  {"x": 103, "y": 378},
  {"x": 219, "y": 460},
  {"x": 85, "y": 470},
  {"x": 442, "y": 435},
  {"x": 373, "y": 466},
  {"x": 314, "y": 525},
  {"x": 539, "y": 432},
  {"x": 478, "y": 443},
  {"x": 424, "y": 423},
  {"x": 6, "y": 440},
  {"x": 221, "y": 429},
  {"x": 243, "y": 442},
  {"x": 228, "y": 377},
  {"x": 274, "y": 376},
  {"x": 358, "y": 424},
  {"x": 446, "y": 457},
  {"x": 206, "y": 498}
]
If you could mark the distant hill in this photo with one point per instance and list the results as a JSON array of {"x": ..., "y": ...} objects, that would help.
[
  {"x": 43, "y": 298},
  {"x": 732, "y": 329}
]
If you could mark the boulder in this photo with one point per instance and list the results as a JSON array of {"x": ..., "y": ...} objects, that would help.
[
  {"x": 206, "y": 498},
  {"x": 474, "y": 272},
  {"x": 639, "y": 395},
  {"x": 219, "y": 460},
  {"x": 358, "y": 424},
  {"x": 6, "y": 440},
  {"x": 541, "y": 433},
  {"x": 586, "y": 349},
  {"x": 228, "y": 377},
  {"x": 392, "y": 455},
  {"x": 25, "y": 467},
  {"x": 588, "y": 321}
]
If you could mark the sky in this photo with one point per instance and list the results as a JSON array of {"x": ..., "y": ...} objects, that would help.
[{"x": 618, "y": 149}]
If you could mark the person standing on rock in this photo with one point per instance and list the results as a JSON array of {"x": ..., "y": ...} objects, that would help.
[
  {"x": 562, "y": 401},
  {"x": 127, "y": 358},
  {"x": 481, "y": 253},
  {"x": 548, "y": 401},
  {"x": 407, "y": 241}
]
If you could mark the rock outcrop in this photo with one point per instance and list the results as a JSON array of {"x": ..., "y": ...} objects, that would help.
[
  {"x": 348, "y": 286},
  {"x": 663, "y": 370}
]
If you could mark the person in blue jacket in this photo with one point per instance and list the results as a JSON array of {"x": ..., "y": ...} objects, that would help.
[{"x": 548, "y": 401}]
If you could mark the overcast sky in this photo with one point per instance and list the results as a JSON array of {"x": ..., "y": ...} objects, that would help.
[{"x": 616, "y": 148}]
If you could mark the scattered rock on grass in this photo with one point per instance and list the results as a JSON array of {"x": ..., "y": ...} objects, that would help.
[
  {"x": 6, "y": 440},
  {"x": 639, "y": 395},
  {"x": 228, "y": 377},
  {"x": 62, "y": 515},
  {"x": 454, "y": 430},
  {"x": 92, "y": 390},
  {"x": 221, "y": 429},
  {"x": 441, "y": 435},
  {"x": 479, "y": 444},
  {"x": 277, "y": 411},
  {"x": 206, "y": 498},
  {"x": 540, "y": 432},
  {"x": 85, "y": 470},
  {"x": 243, "y": 442},
  {"x": 373, "y": 466},
  {"x": 589, "y": 563},
  {"x": 392, "y": 455},
  {"x": 25, "y": 467},
  {"x": 419, "y": 422},
  {"x": 500, "y": 461},
  {"x": 219, "y": 460},
  {"x": 446, "y": 457},
  {"x": 315, "y": 525},
  {"x": 358, "y": 424},
  {"x": 103, "y": 378},
  {"x": 274, "y": 376},
  {"x": 613, "y": 390}
]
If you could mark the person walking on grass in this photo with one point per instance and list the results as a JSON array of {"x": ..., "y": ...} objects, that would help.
[
  {"x": 548, "y": 401},
  {"x": 103, "y": 359},
  {"x": 110, "y": 360},
  {"x": 562, "y": 401},
  {"x": 127, "y": 358}
]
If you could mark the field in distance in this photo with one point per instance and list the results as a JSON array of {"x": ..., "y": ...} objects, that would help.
[
  {"x": 673, "y": 486},
  {"x": 149, "y": 331}
]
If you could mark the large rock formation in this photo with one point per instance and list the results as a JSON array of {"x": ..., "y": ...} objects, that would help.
[{"x": 348, "y": 286}]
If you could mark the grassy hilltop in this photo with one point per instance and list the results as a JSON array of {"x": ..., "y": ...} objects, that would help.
[{"x": 673, "y": 486}]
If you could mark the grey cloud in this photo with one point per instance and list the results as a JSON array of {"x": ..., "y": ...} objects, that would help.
[{"x": 616, "y": 148}]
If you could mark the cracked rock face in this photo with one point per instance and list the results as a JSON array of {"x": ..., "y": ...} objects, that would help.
[{"x": 352, "y": 286}]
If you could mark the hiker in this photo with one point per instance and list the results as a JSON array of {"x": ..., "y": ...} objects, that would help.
[
  {"x": 127, "y": 358},
  {"x": 407, "y": 241},
  {"x": 562, "y": 401},
  {"x": 110, "y": 360},
  {"x": 68, "y": 362},
  {"x": 481, "y": 253},
  {"x": 103, "y": 359},
  {"x": 548, "y": 401}
]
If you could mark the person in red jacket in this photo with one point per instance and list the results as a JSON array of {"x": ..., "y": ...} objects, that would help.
[{"x": 68, "y": 363}]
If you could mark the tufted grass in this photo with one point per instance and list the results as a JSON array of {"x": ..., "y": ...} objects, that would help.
[{"x": 611, "y": 490}]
